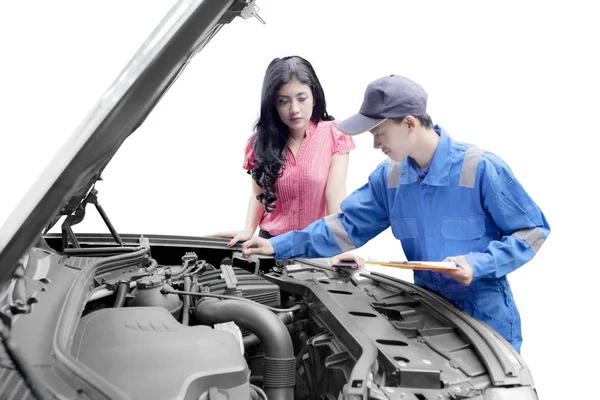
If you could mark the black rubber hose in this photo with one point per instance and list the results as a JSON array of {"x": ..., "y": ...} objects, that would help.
[
  {"x": 187, "y": 286},
  {"x": 187, "y": 267},
  {"x": 177, "y": 271},
  {"x": 252, "y": 339},
  {"x": 122, "y": 290},
  {"x": 280, "y": 363},
  {"x": 152, "y": 266}
]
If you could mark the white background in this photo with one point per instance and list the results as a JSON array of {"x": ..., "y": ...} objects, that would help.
[{"x": 519, "y": 78}]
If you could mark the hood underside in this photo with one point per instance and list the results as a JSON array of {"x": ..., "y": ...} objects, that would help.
[{"x": 72, "y": 173}]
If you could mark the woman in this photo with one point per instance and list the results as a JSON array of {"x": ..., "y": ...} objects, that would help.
[{"x": 298, "y": 159}]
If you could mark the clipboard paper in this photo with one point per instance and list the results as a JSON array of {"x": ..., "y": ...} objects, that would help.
[{"x": 417, "y": 265}]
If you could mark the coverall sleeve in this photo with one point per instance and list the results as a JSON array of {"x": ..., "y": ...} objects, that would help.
[
  {"x": 364, "y": 215},
  {"x": 522, "y": 225}
]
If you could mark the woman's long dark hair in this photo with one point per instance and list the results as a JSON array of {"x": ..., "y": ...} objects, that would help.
[{"x": 270, "y": 133}]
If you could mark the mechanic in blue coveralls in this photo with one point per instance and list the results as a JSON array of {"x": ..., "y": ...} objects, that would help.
[{"x": 445, "y": 200}]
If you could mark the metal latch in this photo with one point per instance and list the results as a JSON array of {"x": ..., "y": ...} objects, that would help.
[{"x": 251, "y": 10}]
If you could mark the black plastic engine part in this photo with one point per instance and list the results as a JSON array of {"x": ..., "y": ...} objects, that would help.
[
  {"x": 247, "y": 285},
  {"x": 148, "y": 354}
]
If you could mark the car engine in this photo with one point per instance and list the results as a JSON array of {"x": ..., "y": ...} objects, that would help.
[
  {"x": 182, "y": 318},
  {"x": 182, "y": 331}
]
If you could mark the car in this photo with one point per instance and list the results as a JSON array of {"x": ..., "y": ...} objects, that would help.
[{"x": 137, "y": 316}]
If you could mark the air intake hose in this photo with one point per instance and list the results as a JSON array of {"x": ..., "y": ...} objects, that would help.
[
  {"x": 122, "y": 290},
  {"x": 280, "y": 369}
]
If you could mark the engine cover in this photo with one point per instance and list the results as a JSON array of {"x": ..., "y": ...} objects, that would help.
[
  {"x": 150, "y": 355},
  {"x": 245, "y": 284}
]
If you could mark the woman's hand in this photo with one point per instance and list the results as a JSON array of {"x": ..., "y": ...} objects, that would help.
[
  {"x": 235, "y": 236},
  {"x": 349, "y": 257}
]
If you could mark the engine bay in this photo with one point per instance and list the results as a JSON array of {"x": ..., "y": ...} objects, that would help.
[{"x": 190, "y": 319}]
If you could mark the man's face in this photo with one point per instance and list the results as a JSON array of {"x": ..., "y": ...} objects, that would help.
[{"x": 393, "y": 138}]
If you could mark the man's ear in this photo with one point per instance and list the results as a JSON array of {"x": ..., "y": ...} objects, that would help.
[{"x": 411, "y": 121}]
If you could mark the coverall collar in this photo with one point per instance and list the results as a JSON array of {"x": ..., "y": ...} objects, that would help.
[{"x": 439, "y": 168}]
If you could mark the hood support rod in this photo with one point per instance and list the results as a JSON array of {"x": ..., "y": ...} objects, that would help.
[{"x": 77, "y": 217}]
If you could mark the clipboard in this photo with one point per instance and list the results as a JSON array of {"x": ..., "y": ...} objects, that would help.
[{"x": 417, "y": 265}]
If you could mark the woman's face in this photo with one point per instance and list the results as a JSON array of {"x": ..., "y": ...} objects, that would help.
[{"x": 294, "y": 102}]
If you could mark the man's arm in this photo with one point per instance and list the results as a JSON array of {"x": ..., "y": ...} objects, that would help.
[
  {"x": 523, "y": 225},
  {"x": 364, "y": 215}
]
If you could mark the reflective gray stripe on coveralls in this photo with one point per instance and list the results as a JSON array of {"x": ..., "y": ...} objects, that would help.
[
  {"x": 468, "y": 173},
  {"x": 339, "y": 233},
  {"x": 394, "y": 170},
  {"x": 534, "y": 237}
]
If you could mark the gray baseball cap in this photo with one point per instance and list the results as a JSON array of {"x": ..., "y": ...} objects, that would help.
[{"x": 392, "y": 96}]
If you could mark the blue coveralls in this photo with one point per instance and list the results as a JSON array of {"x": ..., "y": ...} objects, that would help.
[{"x": 468, "y": 204}]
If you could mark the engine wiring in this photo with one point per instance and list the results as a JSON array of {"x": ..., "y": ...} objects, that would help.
[{"x": 259, "y": 391}]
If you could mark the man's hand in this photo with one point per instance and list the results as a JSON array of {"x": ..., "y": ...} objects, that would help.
[
  {"x": 235, "y": 236},
  {"x": 257, "y": 245},
  {"x": 464, "y": 274},
  {"x": 349, "y": 257}
]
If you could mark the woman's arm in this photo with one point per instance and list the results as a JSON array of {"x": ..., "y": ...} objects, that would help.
[
  {"x": 255, "y": 209},
  {"x": 335, "y": 191}
]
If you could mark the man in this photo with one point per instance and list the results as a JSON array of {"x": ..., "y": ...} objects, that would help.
[{"x": 444, "y": 200}]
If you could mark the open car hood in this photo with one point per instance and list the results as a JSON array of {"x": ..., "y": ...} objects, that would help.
[{"x": 72, "y": 173}]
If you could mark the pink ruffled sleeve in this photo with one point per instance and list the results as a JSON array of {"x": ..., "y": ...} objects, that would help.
[
  {"x": 248, "y": 157},
  {"x": 342, "y": 143}
]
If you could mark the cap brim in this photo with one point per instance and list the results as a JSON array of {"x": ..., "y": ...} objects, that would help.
[{"x": 358, "y": 124}]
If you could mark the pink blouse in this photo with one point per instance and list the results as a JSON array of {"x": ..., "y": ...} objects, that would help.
[{"x": 300, "y": 190}]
